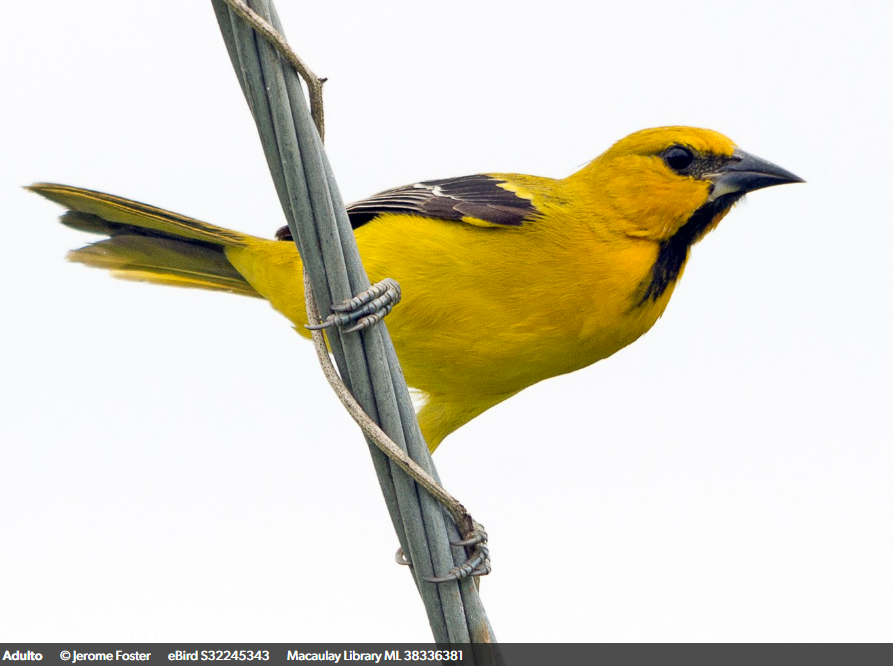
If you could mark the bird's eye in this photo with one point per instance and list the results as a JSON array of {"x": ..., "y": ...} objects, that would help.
[{"x": 678, "y": 158}]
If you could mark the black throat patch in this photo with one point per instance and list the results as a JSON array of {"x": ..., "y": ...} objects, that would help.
[{"x": 674, "y": 251}]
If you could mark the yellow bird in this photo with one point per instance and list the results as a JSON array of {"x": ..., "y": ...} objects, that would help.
[{"x": 507, "y": 279}]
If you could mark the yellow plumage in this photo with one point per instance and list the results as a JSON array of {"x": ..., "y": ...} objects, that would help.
[{"x": 507, "y": 279}]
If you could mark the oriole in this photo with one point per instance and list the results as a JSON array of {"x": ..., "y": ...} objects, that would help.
[{"x": 507, "y": 279}]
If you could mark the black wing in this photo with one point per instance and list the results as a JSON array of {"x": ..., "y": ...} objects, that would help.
[{"x": 476, "y": 200}]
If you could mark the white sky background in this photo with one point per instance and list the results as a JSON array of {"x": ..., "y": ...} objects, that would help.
[{"x": 175, "y": 468}]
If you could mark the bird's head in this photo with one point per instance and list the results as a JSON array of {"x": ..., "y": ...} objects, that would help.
[{"x": 659, "y": 183}]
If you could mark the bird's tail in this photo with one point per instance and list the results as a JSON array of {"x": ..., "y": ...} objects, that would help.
[{"x": 150, "y": 244}]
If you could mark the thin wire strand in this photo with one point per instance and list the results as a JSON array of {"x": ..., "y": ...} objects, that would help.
[
  {"x": 314, "y": 85},
  {"x": 472, "y": 533},
  {"x": 367, "y": 363},
  {"x": 268, "y": 32},
  {"x": 456, "y": 509}
]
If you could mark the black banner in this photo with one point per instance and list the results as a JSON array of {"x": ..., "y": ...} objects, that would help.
[{"x": 513, "y": 654}]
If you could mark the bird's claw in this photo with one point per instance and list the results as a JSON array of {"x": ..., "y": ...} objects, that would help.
[{"x": 365, "y": 309}]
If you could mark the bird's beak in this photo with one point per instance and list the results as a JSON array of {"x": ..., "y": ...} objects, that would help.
[{"x": 746, "y": 173}]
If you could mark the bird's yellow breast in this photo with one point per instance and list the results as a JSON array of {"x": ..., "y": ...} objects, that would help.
[{"x": 487, "y": 311}]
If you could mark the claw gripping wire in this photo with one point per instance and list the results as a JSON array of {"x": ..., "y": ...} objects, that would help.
[
  {"x": 478, "y": 563},
  {"x": 365, "y": 309}
]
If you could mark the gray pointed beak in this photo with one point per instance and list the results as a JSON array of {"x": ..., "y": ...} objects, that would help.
[{"x": 745, "y": 173}]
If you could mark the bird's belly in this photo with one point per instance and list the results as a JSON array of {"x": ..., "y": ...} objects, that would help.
[
  {"x": 490, "y": 313},
  {"x": 499, "y": 348},
  {"x": 470, "y": 325}
]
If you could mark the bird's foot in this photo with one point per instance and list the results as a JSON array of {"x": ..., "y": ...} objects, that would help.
[{"x": 365, "y": 309}]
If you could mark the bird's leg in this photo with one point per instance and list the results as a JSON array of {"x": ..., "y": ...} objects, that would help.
[{"x": 365, "y": 309}]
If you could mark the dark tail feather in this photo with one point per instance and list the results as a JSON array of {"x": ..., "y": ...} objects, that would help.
[{"x": 150, "y": 244}]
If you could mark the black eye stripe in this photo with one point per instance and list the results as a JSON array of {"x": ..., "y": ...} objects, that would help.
[{"x": 688, "y": 162}]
